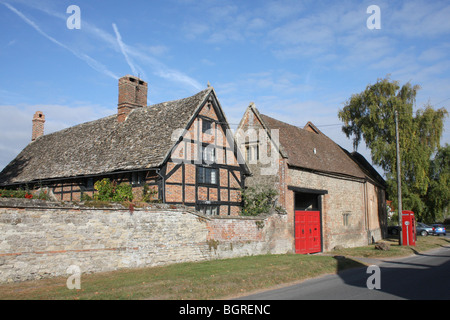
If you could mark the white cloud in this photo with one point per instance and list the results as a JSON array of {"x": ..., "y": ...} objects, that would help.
[
  {"x": 435, "y": 53},
  {"x": 413, "y": 19}
]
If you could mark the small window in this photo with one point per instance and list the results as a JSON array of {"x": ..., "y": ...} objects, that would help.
[
  {"x": 206, "y": 125},
  {"x": 345, "y": 217},
  {"x": 252, "y": 153},
  {"x": 209, "y": 154},
  {"x": 90, "y": 184},
  {"x": 136, "y": 178},
  {"x": 206, "y": 175},
  {"x": 210, "y": 210}
]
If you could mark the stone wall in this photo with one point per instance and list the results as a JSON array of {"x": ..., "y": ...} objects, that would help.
[{"x": 41, "y": 239}]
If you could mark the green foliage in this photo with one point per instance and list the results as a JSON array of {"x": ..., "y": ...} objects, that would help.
[
  {"x": 438, "y": 194},
  {"x": 123, "y": 192},
  {"x": 369, "y": 117},
  {"x": 149, "y": 195},
  {"x": 105, "y": 190},
  {"x": 43, "y": 195},
  {"x": 13, "y": 193},
  {"x": 257, "y": 201},
  {"x": 110, "y": 191},
  {"x": 27, "y": 194}
]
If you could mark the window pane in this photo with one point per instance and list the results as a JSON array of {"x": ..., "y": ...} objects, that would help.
[
  {"x": 207, "y": 175},
  {"x": 213, "y": 176},
  {"x": 247, "y": 153},
  {"x": 201, "y": 175}
]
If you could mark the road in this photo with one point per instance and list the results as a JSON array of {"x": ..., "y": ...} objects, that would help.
[{"x": 423, "y": 276}]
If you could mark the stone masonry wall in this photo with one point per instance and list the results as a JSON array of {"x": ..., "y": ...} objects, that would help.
[
  {"x": 343, "y": 197},
  {"x": 41, "y": 239}
]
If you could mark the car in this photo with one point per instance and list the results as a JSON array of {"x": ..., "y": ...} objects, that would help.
[
  {"x": 423, "y": 229},
  {"x": 439, "y": 229},
  {"x": 393, "y": 230}
]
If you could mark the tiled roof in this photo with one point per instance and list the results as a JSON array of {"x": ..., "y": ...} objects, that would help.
[
  {"x": 144, "y": 140},
  {"x": 309, "y": 148}
]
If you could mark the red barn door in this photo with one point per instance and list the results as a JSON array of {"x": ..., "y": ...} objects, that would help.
[{"x": 307, "y": 232}]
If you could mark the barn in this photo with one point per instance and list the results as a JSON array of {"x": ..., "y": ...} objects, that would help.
[{"x": 332, "y": 197}]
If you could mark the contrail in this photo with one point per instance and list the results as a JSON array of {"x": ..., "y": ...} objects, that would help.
[
  {"x": 122, "y": 49},
  {"x": 159, "y": 68},
  {"x": 90, "y": 61}
]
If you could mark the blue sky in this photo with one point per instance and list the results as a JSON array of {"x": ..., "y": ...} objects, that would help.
[{"x": 298, "y": 61}]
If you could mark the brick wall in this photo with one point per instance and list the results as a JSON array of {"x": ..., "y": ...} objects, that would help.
[
  {"x": 132, "y": 94},
  {"x": 41, "y": 239},
  {"x": 38, "y": 125}
]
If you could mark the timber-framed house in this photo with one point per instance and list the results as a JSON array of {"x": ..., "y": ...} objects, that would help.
[{"x": 181, "y": 149}]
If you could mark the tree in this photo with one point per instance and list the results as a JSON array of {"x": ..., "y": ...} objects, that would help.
[
  {"x": 369, "y": 117},
  {"x": 438, "y": 194}
]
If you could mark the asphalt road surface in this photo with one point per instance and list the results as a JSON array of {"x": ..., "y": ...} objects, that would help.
[{"x": 423, "y": 276}]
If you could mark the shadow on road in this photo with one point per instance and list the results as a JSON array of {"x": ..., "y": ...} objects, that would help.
[{"x": 422, "y": 277}]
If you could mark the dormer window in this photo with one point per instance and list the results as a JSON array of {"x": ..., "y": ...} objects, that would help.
[{"x": 206, "y": 125}]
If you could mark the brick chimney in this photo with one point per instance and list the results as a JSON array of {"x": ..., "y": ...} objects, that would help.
[
  {"x": 132, "y": 94},
  {"x": 38, "y": 125}
]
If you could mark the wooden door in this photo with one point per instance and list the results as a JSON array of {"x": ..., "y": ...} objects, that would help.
[{"x": 307, "y": 232}]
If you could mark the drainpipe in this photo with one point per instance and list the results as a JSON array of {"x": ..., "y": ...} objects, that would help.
[
  {"x": 366, "y": 210},
  {"x": 163, "y": 186}
]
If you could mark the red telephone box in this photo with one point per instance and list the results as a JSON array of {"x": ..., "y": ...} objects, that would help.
[{"x": 408, "y": 228}]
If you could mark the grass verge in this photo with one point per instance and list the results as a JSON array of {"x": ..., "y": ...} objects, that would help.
[
  {"x": 215, "y": 279},
  {"x": 422, "y": 244}
]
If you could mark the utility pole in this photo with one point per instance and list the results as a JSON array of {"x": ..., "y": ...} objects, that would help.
[{"x": 399, "y": 181}]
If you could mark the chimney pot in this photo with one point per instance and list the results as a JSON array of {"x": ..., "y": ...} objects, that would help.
[
  {"x": 132, "y": 94},
  {"x": 38, "y": 125}
]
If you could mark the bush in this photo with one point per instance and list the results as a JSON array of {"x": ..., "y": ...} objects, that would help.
[
  {"x": 110, "y": 191},
  {"x": 123, "y": 192},
  {"x": 256, "y": 202},
  {"x": 105, "y": 190}
]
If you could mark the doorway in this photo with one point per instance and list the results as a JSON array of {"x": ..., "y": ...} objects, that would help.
[{"x": 308, "y": 222}]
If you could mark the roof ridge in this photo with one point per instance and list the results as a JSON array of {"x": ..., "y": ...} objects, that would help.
[{"x": 177, "y": 100}]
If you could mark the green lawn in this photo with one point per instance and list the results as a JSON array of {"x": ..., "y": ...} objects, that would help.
[{"x": 216, "y": 279}]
